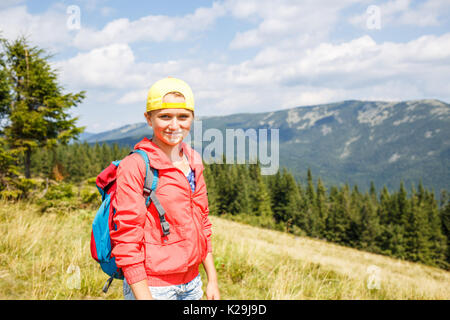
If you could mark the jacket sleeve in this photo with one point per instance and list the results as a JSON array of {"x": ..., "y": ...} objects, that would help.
[
  {"x": 203, "y": 194},
  {"x": 129, "y": 203}
]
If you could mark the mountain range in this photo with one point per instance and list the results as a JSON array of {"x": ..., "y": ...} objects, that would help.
[{"x": 352, "y": 142}]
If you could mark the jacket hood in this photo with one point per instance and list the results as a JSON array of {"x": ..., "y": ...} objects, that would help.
[{"x": 159, "y": 160}]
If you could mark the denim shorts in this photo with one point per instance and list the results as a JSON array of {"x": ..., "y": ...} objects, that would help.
[{"x": 188, "y": 291}]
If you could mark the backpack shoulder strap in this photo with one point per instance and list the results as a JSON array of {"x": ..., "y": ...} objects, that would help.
[{"x": 151, "y": 176}]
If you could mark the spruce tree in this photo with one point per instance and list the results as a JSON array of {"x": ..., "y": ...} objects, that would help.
[
  {"x": 385, "y": 207},
  {"x": 38, "y": 111},
  {"x": 416, "y": 232},
  {"x": 310, "y": 194},
  {"x": 373, "y": 191},
  {"x": 402, "y": 205},
  {"x": 277, "y": 196},
  {"x": 370, "y": 227},
  {"x": 445, "y": 218},
  {"x": 106, "y": 155},
  {"x": 264, "y": 209},
  {"x": 321, "y": 208},
  {"x": 354, "y": 216},
  {"x": 242, "y": 184},
  {"x": 8, "y": 167},
  {"x": 292, "y": 200},
  {"x": 210, "y": 181},
  {"x": 437, "y": 240}
]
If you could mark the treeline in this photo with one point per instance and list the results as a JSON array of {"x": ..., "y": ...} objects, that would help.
[
  {"x": 75, "y": 162},
  {"x": 413, "y": 228}
]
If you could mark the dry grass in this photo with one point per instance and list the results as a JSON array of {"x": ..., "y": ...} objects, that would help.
[
  {"x": 303, "y": 268},
  {"x": 41, "y": 253}
]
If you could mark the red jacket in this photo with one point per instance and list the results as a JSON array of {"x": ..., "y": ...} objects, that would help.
[{"x": 138, "y": 245}]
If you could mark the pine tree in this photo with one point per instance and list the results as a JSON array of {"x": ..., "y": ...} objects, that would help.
[
  {"x": 372, "y": 191},
  {"x": 292, "y": 200},
  {"x": 421, "y": 192},
  {"x": 384, "y": 207},
  {"x": 330, "y": 220},
  {"x": 310, "y": 194},
  {"x": 264, "y": 209},
  {"x": 416, "y": 233},
  {"x": 210, "y": 181},
  {"x": 402, "y": 205},
  {"x": 242, "y": 183},
  {"x": 8, "y": 167},
  {"x": 321, "y": 208},
  {"x": 115, "y": 153},
  {"x": 5, "y": 96},
  {"x": 437, "y": 240},
  {"x": 445, "y": 218},
  {"x": 337, "y": 221},
  {"x": 392, "y": 239},
  {"x": 370, "y": 227},
  {"x": 277, "y": 196},
  {"x": 8, "y": 158},
  {"x": 354, "y": 215},
  {"x": 38, "y": 110},
  {"x": 106, "y": 155}
]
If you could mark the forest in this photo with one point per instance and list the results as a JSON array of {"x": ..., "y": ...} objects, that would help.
[{"x": 413, "y": 228}]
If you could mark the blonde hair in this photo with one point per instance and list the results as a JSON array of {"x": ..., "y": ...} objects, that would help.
[{"x": 174, "y": 93}]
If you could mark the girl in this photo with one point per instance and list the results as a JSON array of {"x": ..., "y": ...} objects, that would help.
[{"x": 154, "y": 265}]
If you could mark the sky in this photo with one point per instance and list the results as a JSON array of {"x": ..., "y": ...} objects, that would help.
[{"x": 241, "y": 56}]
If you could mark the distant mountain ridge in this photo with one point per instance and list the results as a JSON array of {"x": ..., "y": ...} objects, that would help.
[{"x": 351, "y": 142}]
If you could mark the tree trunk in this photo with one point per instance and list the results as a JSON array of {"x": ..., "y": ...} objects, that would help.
[{"x": 27, "y": 163}]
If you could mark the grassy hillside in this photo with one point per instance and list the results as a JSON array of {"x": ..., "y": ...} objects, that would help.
[{"x": 41, "y": 253}]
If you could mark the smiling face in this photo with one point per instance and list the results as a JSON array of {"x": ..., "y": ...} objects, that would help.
[{"x": 170, "y": 126}]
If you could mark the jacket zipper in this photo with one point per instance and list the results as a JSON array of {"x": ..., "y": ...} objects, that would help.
[{"x": 192, "y": 209}]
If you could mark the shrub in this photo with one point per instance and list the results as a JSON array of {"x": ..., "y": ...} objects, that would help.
[
  {"x": 61, "y": 191},
  {"x": 90, "y": 197}
]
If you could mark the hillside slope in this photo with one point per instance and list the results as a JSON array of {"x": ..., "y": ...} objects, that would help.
[
  {"x": 46, "y": 256},
  {"x": 276, "y": 265}
]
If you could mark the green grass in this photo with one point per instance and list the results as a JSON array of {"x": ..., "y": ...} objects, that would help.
[{"x": 38, "y": 251}]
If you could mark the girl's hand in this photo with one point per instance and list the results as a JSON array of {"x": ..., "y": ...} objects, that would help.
[{"x": 212, "y": 291}]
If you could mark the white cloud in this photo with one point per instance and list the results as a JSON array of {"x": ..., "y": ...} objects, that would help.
[
  {"x": 280, "y": 20},
  {"x": 357, "y": 69},
  {"x": 111, "y": 67},
  {"x": 9, "y": 3},
  {"x": 362, "y": 61},
  {"x": 48, "y": 29},
  {"x": 152, "y": 28},
  {"x": 107, "y": 11},
  {"x": 135, "y": 96}
]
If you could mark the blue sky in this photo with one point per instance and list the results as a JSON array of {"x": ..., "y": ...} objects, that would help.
[{"x": 239, "y": 56}]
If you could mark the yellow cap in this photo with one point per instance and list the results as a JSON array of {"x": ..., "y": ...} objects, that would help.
[{"x": 162, "y": 87}]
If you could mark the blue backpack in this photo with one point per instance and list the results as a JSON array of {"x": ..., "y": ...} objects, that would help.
[{"x": 101, "y": 245}]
